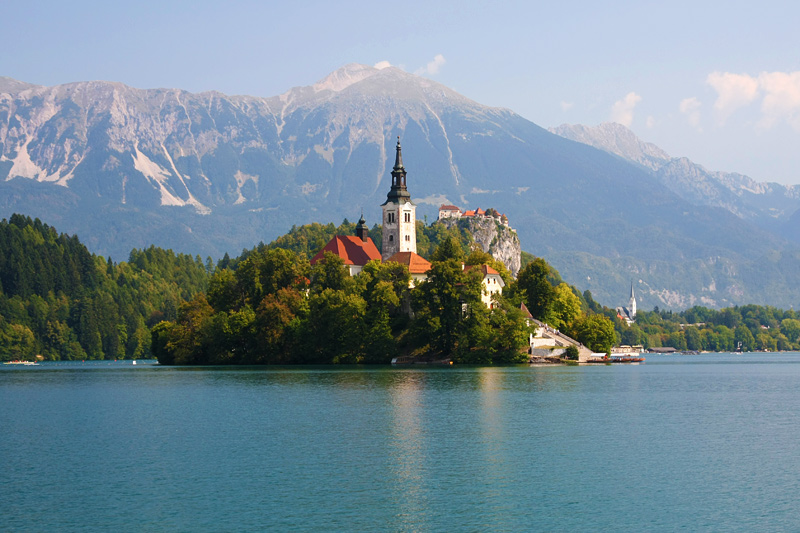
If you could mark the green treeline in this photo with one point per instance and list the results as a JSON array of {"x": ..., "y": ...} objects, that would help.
[
  {"x": 746, "y": 328},
  {"x": 60, "y": 301}
]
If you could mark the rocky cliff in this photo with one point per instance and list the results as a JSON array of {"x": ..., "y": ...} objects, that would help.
[{"x": 494, "y": 238}]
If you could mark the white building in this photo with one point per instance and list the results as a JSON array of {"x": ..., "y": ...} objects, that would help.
[
  {"x": 492, "y": 284},
  {"x": 628, "y": 314}
]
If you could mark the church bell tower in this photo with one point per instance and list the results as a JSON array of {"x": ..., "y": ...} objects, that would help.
[{"x": 399, "y": 214}]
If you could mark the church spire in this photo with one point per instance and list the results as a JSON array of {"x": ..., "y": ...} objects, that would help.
[
  {"x": 399, "y": 192},
  {"x": 398, "y": 159}
]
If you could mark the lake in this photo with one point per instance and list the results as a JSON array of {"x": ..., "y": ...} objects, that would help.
[{"x": 702, "y": 442}]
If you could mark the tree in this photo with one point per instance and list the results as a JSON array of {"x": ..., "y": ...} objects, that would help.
[
  {"x": 571, "y": 353},
  {"x": 331, "y": 273},
  {"x": 539, "y": 293},
  {"x": 693, "y": 339},
  {"x": 743, "y": 339},
  {"x": 277, "y": 317},
  {"x": 791, "y": 328},
  {"x": 333, "y": 331},
  {"x": 596, "y": 332},
  {"x": 565, "y": 307},
  {"x": 440, "y": 304},
  {"x": 267, "y": 271},
  {"x": 448, "y": 249},
  {"x": 187, "y": 339},
  {"x": 224, "y": 292}
]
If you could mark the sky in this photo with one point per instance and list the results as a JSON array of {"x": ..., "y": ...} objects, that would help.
[{"x": 717, "y": 82}]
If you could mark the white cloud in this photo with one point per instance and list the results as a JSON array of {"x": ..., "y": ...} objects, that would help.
[
  {"x": 380, "y": 65},
  {"x": 691, "y": 108},
  {"x": 650, "y": 122},
  {"x": 432, "y": 67},
  {"x": 780, "y": 90},
  {"x": 733, "y": 91},
  {"x": 566, "y": 106},
  {"x": 782, "y": 98},
  {"x": 622, "y": 110}
]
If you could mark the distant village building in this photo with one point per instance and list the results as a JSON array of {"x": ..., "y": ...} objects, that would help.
[
  {"x": 451, "y": 211},
  {"x": 628, "y": 314},
  {"x": 399, "y": 213}
]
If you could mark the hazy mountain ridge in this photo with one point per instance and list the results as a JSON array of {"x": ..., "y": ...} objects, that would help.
[
  {"x": 768, "y": 204},
  {"x": 208, "y": 173}
]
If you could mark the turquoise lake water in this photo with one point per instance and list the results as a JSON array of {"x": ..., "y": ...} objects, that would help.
[{"x": 706, "y": 442}]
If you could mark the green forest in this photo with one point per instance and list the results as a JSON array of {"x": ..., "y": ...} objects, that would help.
[
  {"x": 269, "y": 306},
  {"x": 59, "y": 301}
]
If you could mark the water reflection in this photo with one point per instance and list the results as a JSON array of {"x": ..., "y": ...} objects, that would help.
[{"x": 407, "y": 453}]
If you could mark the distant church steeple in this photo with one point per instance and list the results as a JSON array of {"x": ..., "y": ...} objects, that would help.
[
  {"x": 399, "y": 213},
  {"x": 362, "y": 231},
  {"x": 399, "y": 191},
  {"x": 632, "y": 304}
]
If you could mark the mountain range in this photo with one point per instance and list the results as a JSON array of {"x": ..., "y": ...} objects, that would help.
[{"x": 208, "y": 173}]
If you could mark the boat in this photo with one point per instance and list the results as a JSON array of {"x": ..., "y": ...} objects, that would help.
[
  {"x": 18, "y": 362},
  {"x": 626, "y": 358},
  {"x": 627, "y": 354}
]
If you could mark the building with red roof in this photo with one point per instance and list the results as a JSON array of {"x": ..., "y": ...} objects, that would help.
[
  {"x": 417, "y": 265},
  {"x": 356, "y": 250}
]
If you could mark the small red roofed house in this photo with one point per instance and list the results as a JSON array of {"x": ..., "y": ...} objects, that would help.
[
  {"x": 356, "y": 250},
  {"x": 492, "y": 283},
  {"x": 469, "y": 213},
  {"x": 417, "y": 266}
]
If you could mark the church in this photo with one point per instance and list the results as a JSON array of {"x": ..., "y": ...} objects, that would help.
[
  {"x": 398, "y": 240},
  {"x": 628, "y": 314}
]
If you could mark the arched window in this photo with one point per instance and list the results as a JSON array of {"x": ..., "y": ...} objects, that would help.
[{"x": 391, "y": 238}]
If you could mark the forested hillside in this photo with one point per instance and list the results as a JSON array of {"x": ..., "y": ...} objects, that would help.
[{"x": 59, "y": 301}]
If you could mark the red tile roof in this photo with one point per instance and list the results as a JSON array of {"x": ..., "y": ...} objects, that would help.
[
  {"x": 486, "y": 270},
  {"x": 449, "y": 208},
  {"x": 416, "y": 264},
  {"x": 468, "y": 214},
  {"x": 353, "y": 250}
]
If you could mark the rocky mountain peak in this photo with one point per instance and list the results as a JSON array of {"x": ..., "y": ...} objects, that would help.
[
  {"x": 616, "y": 139},
  {"x": 12, "y": 86},
  {"x": 344, "y": 77}
]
